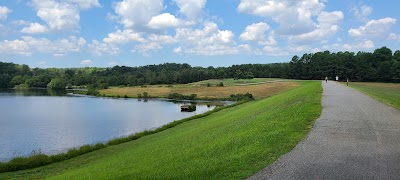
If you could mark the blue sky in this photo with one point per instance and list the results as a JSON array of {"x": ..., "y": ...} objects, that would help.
[{"x": 79, "y": 33}]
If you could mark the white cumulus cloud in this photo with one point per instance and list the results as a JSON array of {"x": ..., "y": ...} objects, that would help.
[
  {"x": 138, "y": 13},
  {"x": 153, "y": 42},
  {"x": 87, "y": 62},
  {"x": 191, "y": 8},
  {"x": 255, "y": 32},
  {"x": 59, "y": 16},
  {"x": 34, "y": 28},
  {"x": 362, "y": 12},
  {"x": 98, "y": 48},
  {"x": 374, "y": 28},
  {"x": 4, "y": 11},
  {"x": 359, "y": 45},
  {"x": 164, "y": 21},
  {"x": 121, "y": 37},
  {"x": 85, "y": 4},
  {"x": 18, "y": 47},
  {"x": 327, "y": 27},
  {"x": 330, "y": 17},
  {"x": 208, "y": 41},
  {"x": 178, "y": 50},
  {"x": 28, "y": 45},
  {"x": 293, "y": 17}
]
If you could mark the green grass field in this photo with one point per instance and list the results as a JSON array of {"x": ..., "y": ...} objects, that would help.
[
  {"x": 233, "y": 143},
  {"x": 233, "y": 82},
  {"x": 388, "y": 93}
]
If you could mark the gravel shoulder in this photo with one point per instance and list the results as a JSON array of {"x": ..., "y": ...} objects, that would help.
[{"x": 356, "y": 137}]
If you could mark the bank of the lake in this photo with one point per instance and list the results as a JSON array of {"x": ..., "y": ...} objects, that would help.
[
  {"x": 44, "y": 121},
  {"x": 233, "y": 143}
]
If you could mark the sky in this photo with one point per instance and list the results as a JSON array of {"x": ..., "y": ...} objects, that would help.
[{"x": 105, "y": 33}]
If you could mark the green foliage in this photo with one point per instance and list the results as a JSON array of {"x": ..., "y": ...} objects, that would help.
[
  {"x": 241, "y": 97},
  {"x": 146, "y": 95},
  {"x": 190, "y": 108},
  {"x": 92, "y": 91},
  {"x": 177, "y": 96},
  {"x": 57, "y": 83},
  {"x": 139, "y": 95},
  {"x": 208, "y": 85},
  {"x": 168, "y": 73},
  {"x": 17, "y": 80},
  {"x": 103, "y": 86},
  {"x": 5, "y": 80},
  {"x": 362, "y": 66},
  {"x": 395, "y": 71},
  {"x": 221, "y": 84},
  {"x": 38, "y": 81},
  {"x": 39, "y": 159}
]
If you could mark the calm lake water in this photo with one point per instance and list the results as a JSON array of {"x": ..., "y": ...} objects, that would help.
[{"x": 44, "y": 120}]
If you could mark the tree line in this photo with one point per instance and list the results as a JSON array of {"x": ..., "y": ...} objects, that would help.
[
  {"x": 12, "y": 75},
  {"x": 381, "y": 65}
]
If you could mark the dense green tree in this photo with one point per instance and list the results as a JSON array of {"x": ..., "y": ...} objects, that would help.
[
  {"x": 5, "y": 80},
  {"x": 57, "y": 83},
  {"x": 383, "y": 54},
  {"x": 38, "y": 81},
  {"x": 396, "y": 56},
  {"x": 384, "y": 71},
  {"x": 380, "y": 65},
  {"x": 17, "y": 80},
  {"x": 395, "y": 71}
]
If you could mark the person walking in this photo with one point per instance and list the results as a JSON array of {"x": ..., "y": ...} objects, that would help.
[{"x": 326, "y": 79}]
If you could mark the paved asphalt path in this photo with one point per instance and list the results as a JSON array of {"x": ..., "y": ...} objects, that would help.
[{"x": 356, "y": 137}]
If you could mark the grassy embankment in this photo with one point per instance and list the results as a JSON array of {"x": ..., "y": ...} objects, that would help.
[
  {"x": 233, "y": 143},
  {"x": 36, "y": 160},
  {"x": 259, "y": 90},
  {"x": 388, "y": 93}
]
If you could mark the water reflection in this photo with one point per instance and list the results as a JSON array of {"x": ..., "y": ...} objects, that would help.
[{"x": 53, "y": 121}]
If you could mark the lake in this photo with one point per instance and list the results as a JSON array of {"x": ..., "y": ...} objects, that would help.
[{"x": 53, "y": 122}]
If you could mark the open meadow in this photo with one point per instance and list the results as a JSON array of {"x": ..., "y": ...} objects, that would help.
[
  {"x": 233, "y": 143},
  {"x": 259, "y": 87},
  {"x": 388, "y": 93}
]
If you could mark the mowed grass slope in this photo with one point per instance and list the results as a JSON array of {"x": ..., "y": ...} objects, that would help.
[
  {"x": 233, "y": 143},
  {"x": 258, "y": 90},
  {"x": 388, "y": 93}
]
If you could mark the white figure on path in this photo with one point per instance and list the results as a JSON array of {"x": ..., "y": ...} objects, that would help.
[{"x": 337, "y": 78}]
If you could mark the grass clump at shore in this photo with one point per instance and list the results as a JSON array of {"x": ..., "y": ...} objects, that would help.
[
  {"x": 233, "y": 143},
  {"x": 388, "y": 93}
]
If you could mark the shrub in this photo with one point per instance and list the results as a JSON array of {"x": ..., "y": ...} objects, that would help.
[
  {"x": 240, "y": 97},
  {"x": 177, "y": 96}
]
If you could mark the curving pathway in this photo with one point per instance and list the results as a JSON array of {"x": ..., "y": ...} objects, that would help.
[{"x": 356, "y": 137}]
